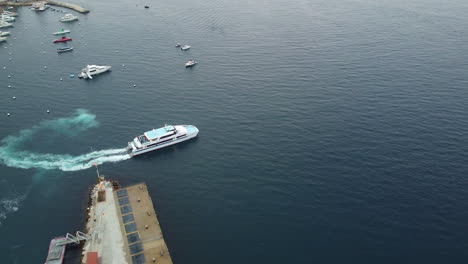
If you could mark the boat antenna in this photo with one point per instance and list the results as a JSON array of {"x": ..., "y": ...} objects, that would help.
[
  {"x": 100, "y": 178},
  {"x": 97, "y": 170}
]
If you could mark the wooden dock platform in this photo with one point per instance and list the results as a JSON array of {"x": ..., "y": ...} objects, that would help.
[
  {"x": 56, "y": 251},
  {"x": 138, "y": 222}
]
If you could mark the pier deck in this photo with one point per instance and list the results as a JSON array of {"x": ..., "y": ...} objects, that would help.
[
  {"x": 123, "y": 228},
  {"x": 138, "y": 221}
]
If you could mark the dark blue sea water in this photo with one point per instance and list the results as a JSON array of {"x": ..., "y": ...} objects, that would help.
[{"x": 330, "y": 131}]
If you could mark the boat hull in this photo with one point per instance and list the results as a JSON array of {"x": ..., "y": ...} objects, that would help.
[
  {"x": 62, "y": 40},
  {"x": 61, "y": 32},
  {"x": 64, "y": 50},
  {"x": 5, "y": 25},
  {"x": 163, "y": 145}
]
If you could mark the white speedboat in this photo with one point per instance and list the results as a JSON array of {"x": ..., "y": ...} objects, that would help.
[
  {"x": 4, "y": 33},
  {"x": 43, "y": 7},
  {"x": 9, "y": 13},
  {"x": 3, "y": 39},
  {"x": 39, "y": 6},
  {"x": 177, "y": 45},
  {"x": 91, "y": 70},
  {"x": 4, "y": 24},
  {"x": 62, "y": 32},
  {"x": 190, "y": 63},
  {"x": 64, "y": 49},
  {"x": 68, "y": 18},
  {"x": 160, "y": 138},
  {"x": 7, "y": 18},
  {"x": 185, "y": 47}
]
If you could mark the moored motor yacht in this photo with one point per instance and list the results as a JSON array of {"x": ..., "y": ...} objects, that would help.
[
  {"x": 91, "y": 70},
  {"x": 68, "y": 18},
  {"x": 185, "y": 47},
  {"x": 160, "y": 138},
  {"x": 39, "y": 6},
  {"x": 7, "y": 18},
  {"x": 9, "y": 13},
  {"x": 4, "y": 33},
  {"x": 190, "y": 63},
  {"x": 3, "y": 39},
  {"x": 4, "y": 24}
]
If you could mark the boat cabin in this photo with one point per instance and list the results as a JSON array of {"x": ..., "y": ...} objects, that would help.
[{"x": 156, "y": 135}]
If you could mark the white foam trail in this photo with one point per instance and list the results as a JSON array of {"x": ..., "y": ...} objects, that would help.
[{"x": 81, "y": 120}]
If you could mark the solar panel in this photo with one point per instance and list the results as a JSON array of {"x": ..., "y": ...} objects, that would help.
[
  {"x": 130, "y": 227},
  {"x": 132, "y": 238},
  {"x": 128, "y": 218},
  {"x": 122, "y": 193},
  {"x": 124, "y": 201},
  {"x": 135, "y": 248},
  {"x": 126, "y": 209},
  {"x": 138, "y": 259}
]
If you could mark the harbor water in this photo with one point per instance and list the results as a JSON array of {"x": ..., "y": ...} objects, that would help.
[{"x": 330, "y": 131}]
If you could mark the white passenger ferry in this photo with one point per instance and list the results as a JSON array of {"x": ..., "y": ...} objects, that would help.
[{"x": 160, "y": 138}]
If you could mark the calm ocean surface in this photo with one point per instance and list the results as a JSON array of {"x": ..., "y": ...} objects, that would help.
[{"x": 330, "y": 131}]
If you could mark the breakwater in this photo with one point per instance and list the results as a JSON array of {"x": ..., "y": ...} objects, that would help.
[{"x": 50, "y": 2}]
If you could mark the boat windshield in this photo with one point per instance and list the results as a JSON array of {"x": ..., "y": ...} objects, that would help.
[{"x": 143, "y": 139}]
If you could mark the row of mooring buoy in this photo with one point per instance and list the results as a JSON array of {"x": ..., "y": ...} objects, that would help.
[{"x": 47, "y": 111}]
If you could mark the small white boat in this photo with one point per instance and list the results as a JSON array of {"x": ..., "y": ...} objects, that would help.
[
  {"x": 160, "y": 138},
  {"x": 62, "y": 32},
  {"x": 190, "y": 63},
  {"x": 91, "y": 70},
  {"x": 39, "y": 6},
  {"x": 7, "y": 18},
  {"x": 64, "y": 49},
  {"x": 4, "y": 24},
  {"x": 4, "y": 33},
  {"x": 185, "y": 47},
  {"x": 9, "y": 13},
  {"x": 68, "y": 18},
  {"x": 178, "y": 45},
  {"x": 3, "y": 39}
]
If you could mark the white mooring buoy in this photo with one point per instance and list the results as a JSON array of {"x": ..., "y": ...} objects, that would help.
[
  {"x": 8, "y": 114},
  {"x": 48, "y": 111},
  {"x": 14, "y": 97}
]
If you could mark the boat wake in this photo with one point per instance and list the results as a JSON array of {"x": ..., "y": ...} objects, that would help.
[{"x": 12, "y": 155}]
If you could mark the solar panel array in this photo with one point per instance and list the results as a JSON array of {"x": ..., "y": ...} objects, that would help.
[
  {"x": 138, "y": 259},
  {"x": 133, "y": 237}
]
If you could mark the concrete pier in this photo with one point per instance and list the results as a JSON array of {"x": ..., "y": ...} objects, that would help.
[
  {"x": 50, "y": 2},
  {"x": 123, "y": 227},
  {"x": 68, "y": 5},
  {"x": 144, "y": 238}
]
